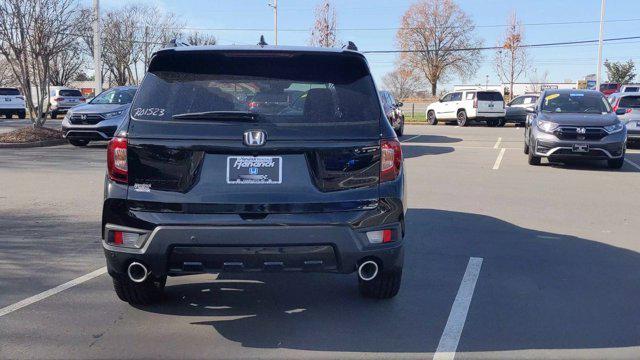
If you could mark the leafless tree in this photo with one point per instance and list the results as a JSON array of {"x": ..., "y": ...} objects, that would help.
[
  {"x": 432, "y": 34},
  {"x": 403, "y": 82},
  {"x": 67, "y": 64},
  {"x": 324, "y": 30},
  {"x": 537, "y": 81},
  {"x": 6, "y": 74},
  {"x": 511, "y": 61},
  {"x": 197, "y": 38},
  {"x": 155, "y": 31},
  {"x": 32, "y": 33}
]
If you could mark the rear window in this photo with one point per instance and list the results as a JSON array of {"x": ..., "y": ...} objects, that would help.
[
  {"x": 629, "y": 102},
  {"x": 608, "y": 86},
  {"x": 632, "y": 89},
  {"x": 9, "y": 91},
  {"x": 489, "y": 96},
  {"x": 70, "y": 93},
  {"x": 332, "y": 91}
]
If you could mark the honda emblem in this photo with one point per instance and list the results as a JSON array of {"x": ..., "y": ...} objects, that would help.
[
  {"x": 254, "y": 138},
  {"x": 581, "y": 130}
]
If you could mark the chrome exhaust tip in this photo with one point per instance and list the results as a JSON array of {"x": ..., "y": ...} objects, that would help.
[
  {"x": 137, "y": 272},
  {"x": 368, "y": 270}
]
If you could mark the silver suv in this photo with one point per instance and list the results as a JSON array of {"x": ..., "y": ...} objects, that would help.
[{"x": 569, "y": 124}]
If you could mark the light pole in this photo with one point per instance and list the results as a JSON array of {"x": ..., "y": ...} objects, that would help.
[
  {"x": 599, "y": 71},
  {"x": 275, "y": 19},
  {"x": 97, "y": 48}
]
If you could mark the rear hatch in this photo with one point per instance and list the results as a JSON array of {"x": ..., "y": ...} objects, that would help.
[
  {"x": 10, "y": 98},
  {"x": 69, "y": 98},
  {"x": 197, "y": 143},
  {"x": 490, "y": 102}
]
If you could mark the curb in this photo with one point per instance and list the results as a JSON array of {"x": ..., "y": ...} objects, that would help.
[{"x": 44, "y": 143}]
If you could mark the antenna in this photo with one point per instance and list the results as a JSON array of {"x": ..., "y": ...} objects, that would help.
[
  {"x": 262, "y": 42},
  {"x": 352, "y": 46}
]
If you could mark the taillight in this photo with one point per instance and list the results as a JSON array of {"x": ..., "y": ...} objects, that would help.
[
  {"x": 117, "y": 160},
  {"x": 475, "y": 103},
  {"x": 615, "y": 107},
  {"x": 83, "y": 99},
  {"x": 253, "y": 105},
  {"x": 390, "y": 159},
  {"x": 58, "y": 99}
]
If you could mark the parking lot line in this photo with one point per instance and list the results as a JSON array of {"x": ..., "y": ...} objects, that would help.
[
  {"x": 45, "y": 294},
  {"x": 458, "y": 316},
  {"x": 497, "y": 145},
  {"x": 632, "y": 164},
  {"x": 496, "y": 165}
]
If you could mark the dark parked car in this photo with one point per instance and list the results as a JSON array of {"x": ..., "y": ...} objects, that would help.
[
  {"x": 99, "y": 118},
  {"x": 392, "y": 109},
  {"x": 198, "y": 183},
  {"x": 516, "y": 110},
  {"x": 570, "y": 124}
]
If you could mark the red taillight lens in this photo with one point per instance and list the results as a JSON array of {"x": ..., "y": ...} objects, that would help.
[
  {"x": 390, "y": 159},
  {"x": 253, "y": 105},
  {"x": 117, "y": 237},
  {"x": 386, "y": 236},
  {"x": 117, "y": 160},
  {"x": 475, "y": 103},
  {"x": 58, "y": 99}
]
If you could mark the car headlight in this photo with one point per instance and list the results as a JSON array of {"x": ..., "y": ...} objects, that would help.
[
  {"x": 547, "y": 126},
  {"x": 112, "y": 114},
  {"x": 614, "y": 128}
]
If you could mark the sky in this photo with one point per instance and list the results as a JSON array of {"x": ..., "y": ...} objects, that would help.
[{"x": 243, "y": 21}]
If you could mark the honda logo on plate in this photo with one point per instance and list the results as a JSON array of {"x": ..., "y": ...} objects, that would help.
[{"x": 254, "y": 138}]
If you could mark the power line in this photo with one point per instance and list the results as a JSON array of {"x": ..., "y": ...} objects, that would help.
[{"x": 580, "y": 42}]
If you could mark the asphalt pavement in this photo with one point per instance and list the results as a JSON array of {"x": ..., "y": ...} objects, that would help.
[{"x": 503, "y": 260}]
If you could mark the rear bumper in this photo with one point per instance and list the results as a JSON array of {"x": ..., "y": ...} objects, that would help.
[
  {"x": 180, "y": 250},
  {"x": 12, "y": 110}
]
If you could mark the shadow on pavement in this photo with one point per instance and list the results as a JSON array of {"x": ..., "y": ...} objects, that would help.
[
  {"x": 536, "y": 290},
  {"x": 429, "y": 139}
]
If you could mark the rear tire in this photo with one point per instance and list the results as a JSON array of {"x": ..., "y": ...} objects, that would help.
[
  {"x": 384, "y": 286},
  {"x": 22, "y": 115},
  {"x": 146, "y": 293},
  {"x": 400, "y": 130},
  {"x": 501, "y": 122},
  {"x": 54, "y": 115},
  {"x": 462, "y": 118},
  {"x": 431, "y": 118},
  {"x": 78, "y": 142},
  {"x": 492, "y": 123}
]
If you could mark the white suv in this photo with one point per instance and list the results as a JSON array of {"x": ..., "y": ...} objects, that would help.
[
  {"x": 12, "y": 103},
  {"x": 63, "y": 98},
  {"x": 468, "y": 105}
]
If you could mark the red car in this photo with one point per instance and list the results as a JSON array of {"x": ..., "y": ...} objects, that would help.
[{"x": 609, "y": 88}]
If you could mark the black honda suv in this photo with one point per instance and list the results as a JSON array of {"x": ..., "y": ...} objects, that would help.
[{"x": 201, "y": 181}]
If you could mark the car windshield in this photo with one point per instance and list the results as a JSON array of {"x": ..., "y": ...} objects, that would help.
[
  {"x": 115, "y": 96},
  {"x": 575, "y": 102},
  {"x": 70, "y": 93},
  {"x": 295, "y": 90}
]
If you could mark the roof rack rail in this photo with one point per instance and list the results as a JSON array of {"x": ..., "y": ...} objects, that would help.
[
  {"x": 350, "y": 46},
  {"x": 176, "y": 43}
]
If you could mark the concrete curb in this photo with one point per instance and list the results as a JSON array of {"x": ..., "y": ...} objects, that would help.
[{"x": 44, "y": 143}]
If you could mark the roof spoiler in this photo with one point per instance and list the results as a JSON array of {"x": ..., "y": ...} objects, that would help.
[
  {"x": 175, "y": 42},
  {"x": 350, "y": 46}
]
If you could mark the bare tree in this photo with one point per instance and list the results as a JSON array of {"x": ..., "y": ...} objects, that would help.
[
  {"x": 432, "y": 36},
  {"x": 157, "y": 31},
  {"x": 32, "y": 33},
  {"x": 324, "y": 30},
  {"x": 197, "y": 38},
  {"x": 511, "y": 61},
  {"x": 6, "y": 74},
  {"x": 537, "y": 82},
  {"x": 403, "y": 82},
  {"x": 67, "y": 64}
]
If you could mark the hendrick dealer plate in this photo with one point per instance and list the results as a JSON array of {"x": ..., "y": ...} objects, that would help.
[{"x": 254, "y": 170}]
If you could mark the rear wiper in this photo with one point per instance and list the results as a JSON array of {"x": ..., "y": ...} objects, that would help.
[{"x": 218, "y": 115}]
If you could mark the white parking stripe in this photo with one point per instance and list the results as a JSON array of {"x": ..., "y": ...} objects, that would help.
[
  {"x": 632, "y": 164},
  {"x": 497, "y": 145},
  {"x": 411, "y": 138},
  {"x": 496, "y": 165},
  {"x": 43, "y": 295},
  {"x": 458, "y": 316}
]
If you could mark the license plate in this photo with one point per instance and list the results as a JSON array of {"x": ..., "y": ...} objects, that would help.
[
  {"x": 581, "y": 148},
  {"x": 254, "y": 170},
  {"x": 7, "y": 99}
]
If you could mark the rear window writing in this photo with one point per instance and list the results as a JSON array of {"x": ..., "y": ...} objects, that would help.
[{"x": 9, "y": 91}]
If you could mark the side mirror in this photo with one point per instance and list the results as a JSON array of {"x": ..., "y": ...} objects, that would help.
[
  {"x": 399, "y": 104},
  {"x": 531, "y": 110},
  {"x": 621, "y": 111}
]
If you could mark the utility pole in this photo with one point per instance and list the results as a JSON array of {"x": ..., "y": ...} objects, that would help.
[
  {"x": 275, "y": 19},
  {"x": 599, "y": 72},
  {"x": 97, "y": 48}
]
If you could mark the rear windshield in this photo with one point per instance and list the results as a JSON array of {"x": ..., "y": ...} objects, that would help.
[
  {"x": 489, "y": 96},
  {"x": 630, "y": 102},
  {"x": 9, "y": 91},
  {"x": 70, "y": 93},
  {"x": 333, "y": 91},
  {"x": 632, "y": 89},
  {"x": 608, "y": 86},
  {"x": 575, "y": 102}
]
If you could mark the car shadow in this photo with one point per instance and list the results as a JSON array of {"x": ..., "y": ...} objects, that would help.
[
  {"x": 429, "y": 139},
  {"x": 416, "y": 146},
  {"x": 536, "y": 290},
  {"x": 589, "y": 165}
]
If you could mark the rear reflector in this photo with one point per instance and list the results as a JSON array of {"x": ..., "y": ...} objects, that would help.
[
  {"x": 125, "y": 239},
  {"x": 379, "y": 236},
  {"x": 391, "y": 159}
]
